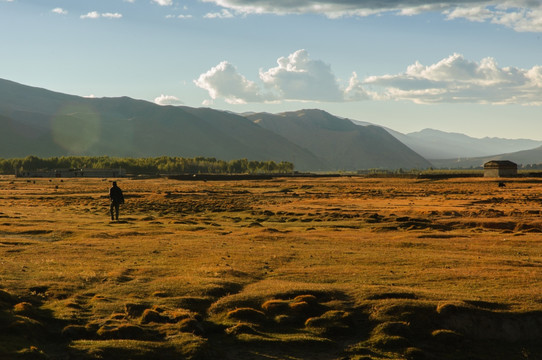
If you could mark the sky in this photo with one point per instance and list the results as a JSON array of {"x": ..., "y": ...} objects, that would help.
[{"x": 465, "y": 66}]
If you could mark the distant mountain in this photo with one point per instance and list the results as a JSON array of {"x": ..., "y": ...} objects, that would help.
[
  {"x": 525, "y": 157},
  {"x": 341, "y": 143},
  {"x": 435, "y": 144},
  {"x": 44, "y": 123}
]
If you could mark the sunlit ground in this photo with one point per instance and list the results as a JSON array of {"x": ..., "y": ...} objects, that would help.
[{"x": 329, "y": 268}]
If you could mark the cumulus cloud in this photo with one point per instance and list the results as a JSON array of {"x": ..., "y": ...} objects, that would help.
[
  {"x": 181, "y": 16},
  {"x": 475, "y": 13},
  {"x": 112, "y": 15},
  {"x": 225, "y": 81},
  {"x": 91, "y": 15},
  {"x": 163, "y": 2},
  {"x": 295, "y": 78},
  {"x": 97, "y": 15},
  {"x": 456, "y": 79},
  {"x": 337, "y": 8},
  {"x": 59, "y": 11},
  {"x": 224, "y": 14},
  {"x": 521, "y": 15},
  {"x": 167, "y": 100},
  {"x": 355, "y": 90}
]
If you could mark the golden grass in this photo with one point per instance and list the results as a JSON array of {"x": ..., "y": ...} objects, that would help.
[{"x": 227, "y": 269}]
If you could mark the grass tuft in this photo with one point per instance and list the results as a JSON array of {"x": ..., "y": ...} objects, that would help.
[
  {"x": 276, "y": 307},
  {"x": 242, "y": 328},
  {"x": 247, "y": 314},
  {"x": 24, "y": 308},
  {"x": 152, "y": 316},
  {"x": 124, "y": 331}
]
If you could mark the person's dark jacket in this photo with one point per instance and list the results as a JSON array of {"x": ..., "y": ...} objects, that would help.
[{"x": 116, "y": 196}]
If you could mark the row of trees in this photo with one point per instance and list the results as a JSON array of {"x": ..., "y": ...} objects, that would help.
[{"x": 154, "y": 165}]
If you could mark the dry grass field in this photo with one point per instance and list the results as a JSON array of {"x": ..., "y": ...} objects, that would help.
[{"x": 327, "y": 268}]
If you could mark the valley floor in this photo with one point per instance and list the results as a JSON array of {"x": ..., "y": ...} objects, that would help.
[{"x": 324, "y": 268}]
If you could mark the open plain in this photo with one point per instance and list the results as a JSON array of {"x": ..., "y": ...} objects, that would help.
[{"x": 288, "y": 268}]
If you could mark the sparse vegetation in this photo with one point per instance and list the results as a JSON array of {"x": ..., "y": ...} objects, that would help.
[{"x": 337, "y": 268}]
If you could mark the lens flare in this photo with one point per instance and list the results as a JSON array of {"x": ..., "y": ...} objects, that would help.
[{"x": 76, "y": 128}]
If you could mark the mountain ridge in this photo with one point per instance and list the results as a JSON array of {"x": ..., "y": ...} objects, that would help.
[
  {"x": 47, "y": 123},
  {"x": 524, "y": 157},
  {"x": 436, "y": 144},
  {"x": 338, "y": 140},
  {"x": 40, "y": 122}
]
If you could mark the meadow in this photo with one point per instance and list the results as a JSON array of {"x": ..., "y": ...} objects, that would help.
[{"x": 288, "y": 268}]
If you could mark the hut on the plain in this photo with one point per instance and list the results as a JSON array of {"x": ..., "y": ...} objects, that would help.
[{"x": 500, "y": 168}]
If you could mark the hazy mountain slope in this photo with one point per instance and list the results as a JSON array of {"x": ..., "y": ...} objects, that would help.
[
  {"x": 344, "y": 145},
  {"x": 19, "y": 138},
  {"x": 435, "y": 144},
  {"x": 525, "y": 157},
  {"x": 45, "y": 123}
]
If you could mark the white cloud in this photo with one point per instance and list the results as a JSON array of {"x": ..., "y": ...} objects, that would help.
[
  {"x": 163, "y": 2},
  {"x": 224, "y": 81},
  {"x": 112, "y": 15},
  {"x": 520, "y": 15},
  {"x": 59, "y": 11},
  {"x": 181, "y": 16},
  {"x": 520, "y": 20},
  {"x": 167, "y": 100},
  {"x": 476, "y": 13},
  {"x": 338, "y": 8},
  {"x": 91, "y": 15},
  {"x": 295, "y": 78},
  {"x": 355, "y": 90},
  {"x": 456, "y": 79},
  {"x": 224, "y": 14},
  {"x": 97, "y": 15}
]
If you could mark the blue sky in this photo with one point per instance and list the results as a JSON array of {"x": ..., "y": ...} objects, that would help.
[{"x": 467, "y": 66}]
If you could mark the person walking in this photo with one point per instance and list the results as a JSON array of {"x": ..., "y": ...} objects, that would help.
[{"x": 117, "y": 198}]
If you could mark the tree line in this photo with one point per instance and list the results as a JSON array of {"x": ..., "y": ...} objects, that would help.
[{"x": 152, "y": 165}]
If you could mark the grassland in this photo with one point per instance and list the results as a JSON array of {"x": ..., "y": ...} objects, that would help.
[{"x": 327, "y": 268}]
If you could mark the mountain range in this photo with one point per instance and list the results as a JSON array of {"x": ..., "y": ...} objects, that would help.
[
  {"x": 339, "y": 141},
  {"x": 35, "y": 121},
  {"x": 437, "y": 145},
  {"x": 434, "y": 144},
  {"x": 44, "y": 123},
  {"x": 531, "y": 156}
]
